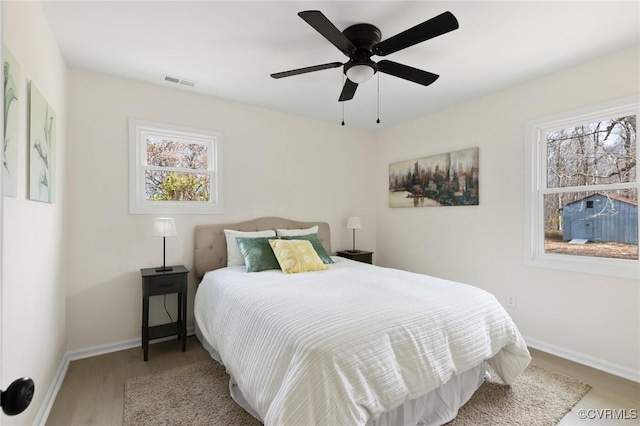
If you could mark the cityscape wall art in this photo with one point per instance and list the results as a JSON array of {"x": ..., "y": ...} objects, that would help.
[{"x": 449, "y": 179}]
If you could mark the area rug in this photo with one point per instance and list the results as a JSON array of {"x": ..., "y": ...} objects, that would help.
[
  {"x": 539, "y": 397},
  {"x": 198, "y": 394}
]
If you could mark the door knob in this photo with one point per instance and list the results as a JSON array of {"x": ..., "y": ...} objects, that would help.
[{"x": 17, "y": 397}]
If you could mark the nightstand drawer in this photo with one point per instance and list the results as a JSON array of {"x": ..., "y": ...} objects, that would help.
[
  {"x": 164, "y": 285},
  {"x": 358, "y": 255}
]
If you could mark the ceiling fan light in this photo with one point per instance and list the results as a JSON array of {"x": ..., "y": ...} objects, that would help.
[{"x": 360, "y": 73}]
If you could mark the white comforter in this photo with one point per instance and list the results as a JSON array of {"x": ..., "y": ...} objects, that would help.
[{"x": 342, "y": 346}]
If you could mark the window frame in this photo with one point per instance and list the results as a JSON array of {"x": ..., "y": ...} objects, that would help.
[
  {"x": 138, "y": 204},
  {"x": 536, "y": 188}
]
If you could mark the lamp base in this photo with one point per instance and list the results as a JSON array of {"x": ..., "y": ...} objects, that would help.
[
  {"x": 164, "y": 269},
  {"x": 353, "y": 251}
]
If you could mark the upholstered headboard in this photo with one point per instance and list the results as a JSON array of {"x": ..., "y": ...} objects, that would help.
[{"x": 211, "y": 245}]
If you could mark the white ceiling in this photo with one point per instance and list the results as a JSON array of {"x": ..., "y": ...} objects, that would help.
[{"x": 231, "y": 48}]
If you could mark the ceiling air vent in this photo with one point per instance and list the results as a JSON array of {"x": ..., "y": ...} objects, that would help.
[{"x": 178, "y": 80}]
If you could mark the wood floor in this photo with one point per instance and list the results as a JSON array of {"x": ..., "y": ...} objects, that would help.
[
  {"x": 93, "y": 388},
  {"x": 611, "y": 401}
]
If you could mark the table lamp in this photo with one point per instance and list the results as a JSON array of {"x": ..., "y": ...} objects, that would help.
[
  {"x": 354, "y": 223},
  {"x": 164, "y": 227}
]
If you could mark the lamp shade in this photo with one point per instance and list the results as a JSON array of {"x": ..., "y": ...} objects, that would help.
[
  {"x": 360, "y": 73},
  {"x": 164, "y": 227},
  {"x": 354, "y": 223}
]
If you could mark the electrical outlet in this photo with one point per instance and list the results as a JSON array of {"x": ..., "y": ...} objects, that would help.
[{"x": 511, "y": 301}]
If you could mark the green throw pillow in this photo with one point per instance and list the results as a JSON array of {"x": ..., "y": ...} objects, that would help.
[
  {"x": 257, "y": 253},
  {"x": 314, "y": 239}
]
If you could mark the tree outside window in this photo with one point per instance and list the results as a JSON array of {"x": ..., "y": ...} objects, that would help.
[{"x": 172, "y": 171}]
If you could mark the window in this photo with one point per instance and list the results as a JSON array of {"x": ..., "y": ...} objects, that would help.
[
  {"x": 174, "y": 169},
  {"x": 581, "y": 196}
]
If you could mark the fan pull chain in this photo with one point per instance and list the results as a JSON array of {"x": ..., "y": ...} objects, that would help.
[
  {"x": 378, "y": 120},
  {"x": 342, "y": 101}
]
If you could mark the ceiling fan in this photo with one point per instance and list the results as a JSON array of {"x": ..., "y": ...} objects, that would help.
[{"x": 360, "y": 42}]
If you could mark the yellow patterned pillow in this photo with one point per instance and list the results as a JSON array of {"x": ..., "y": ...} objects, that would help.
[{"x": 296, "y": 256}]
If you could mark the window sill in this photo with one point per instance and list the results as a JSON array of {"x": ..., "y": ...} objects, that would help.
[{"x": 589, "y": 265}]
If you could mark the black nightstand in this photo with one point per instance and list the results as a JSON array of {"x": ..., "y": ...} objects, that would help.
[
  {"x": 358, "y": 255},
  {"x": 158, "y": 283}
]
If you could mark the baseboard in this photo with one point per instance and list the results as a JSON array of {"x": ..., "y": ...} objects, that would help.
[
  {"x": 103, "y": 349},
  {"x": 115, "y": 347},
  {"x": 52, "y": 392},
  {"x": 580, "y": 358},
  {"x": 76, "y": 354}
]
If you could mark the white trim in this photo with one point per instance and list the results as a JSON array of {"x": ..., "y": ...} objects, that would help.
[
  {"x": 137, "y": 156},
  {"x": 52, "y": 392},
  {"x": 580, "y": 358},
  {"x": 116, "y": 347},
  {"x": 535, "y": 188},
  {"x": 76, "y": 354},
  {"x": 92, "y": 351}
]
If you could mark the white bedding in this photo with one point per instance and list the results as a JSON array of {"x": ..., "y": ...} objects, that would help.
[{"x": 343, "y": 346}]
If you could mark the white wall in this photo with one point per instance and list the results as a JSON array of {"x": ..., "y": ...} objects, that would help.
[
  {"x": 33, "y": 309},
  {"x": 590, "y": 316},
  {"x": 274, "y": 165}
]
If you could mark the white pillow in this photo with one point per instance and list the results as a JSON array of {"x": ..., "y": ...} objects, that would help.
[
  {"x": 234, "y": 255},
  {"x": 296, "y": 232}
]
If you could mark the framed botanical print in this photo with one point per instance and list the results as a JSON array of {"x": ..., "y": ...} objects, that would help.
[{"x": 42, "y": 138}]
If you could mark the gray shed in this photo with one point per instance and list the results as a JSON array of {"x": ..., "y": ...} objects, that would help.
[{"x": 601, "y": 217}]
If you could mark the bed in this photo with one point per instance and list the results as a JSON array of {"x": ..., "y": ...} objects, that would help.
[{"x": 354, "y": 344}]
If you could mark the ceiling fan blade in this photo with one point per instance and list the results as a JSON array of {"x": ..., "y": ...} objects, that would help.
[
  {"x": 307, "y": 69},
  {"x": 320, "y": 23},
  {"x": 406, "y": 72},
  {"x": 348, "y": 91},
  {"x": 434, "y": 27}
]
